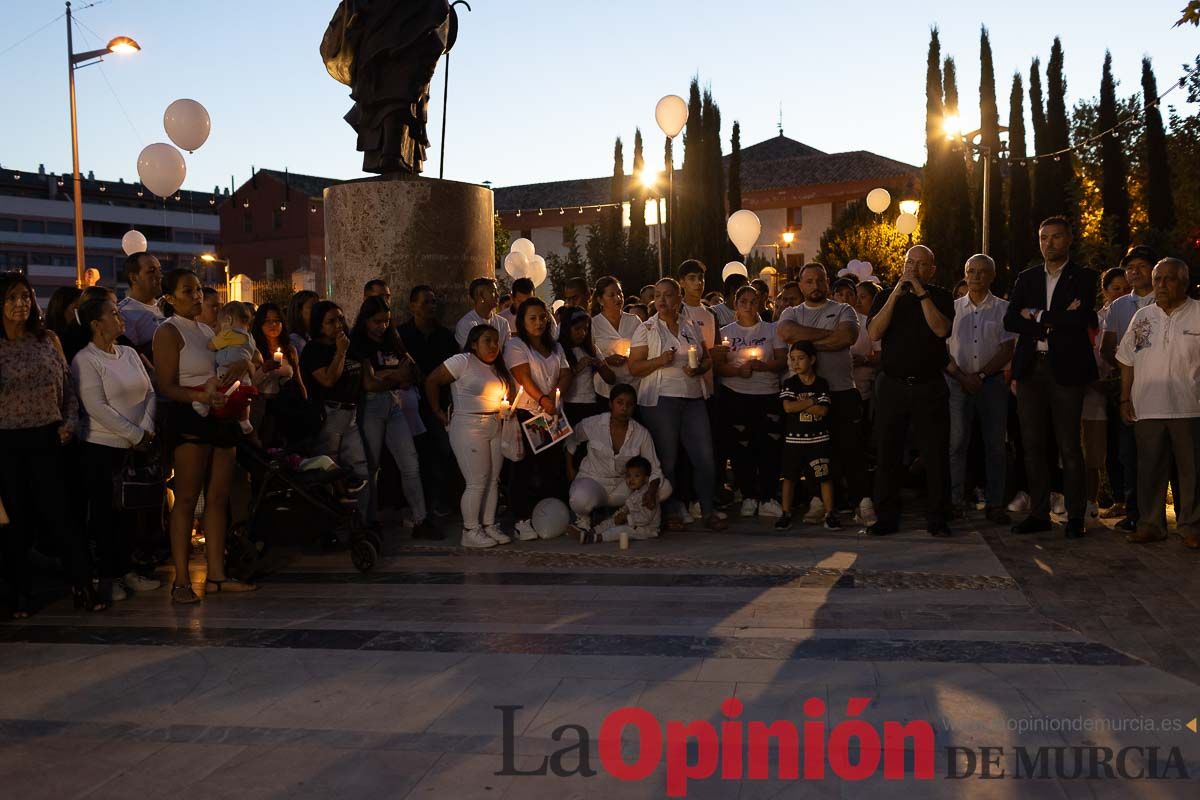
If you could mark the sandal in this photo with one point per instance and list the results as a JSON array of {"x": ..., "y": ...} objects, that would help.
[
  {"x": 715, "y": 522},
  {"x": 675, "y": 524},
  {"x": 184, "y": 595},
  {"x": 229, "y": 585},
  {"x": 87, "y": 598}
]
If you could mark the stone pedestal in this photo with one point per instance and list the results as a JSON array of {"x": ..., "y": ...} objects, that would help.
[{"x": 408, "y": 231}]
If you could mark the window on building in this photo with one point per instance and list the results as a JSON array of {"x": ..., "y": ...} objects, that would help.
[
  {"x": 8, "y": 224},
  {"x": 10, "y": 260},
  {"x": 274, "y": 267},
  {"x": 33, "y": 226},
  {"x": 795, "y": 219},
  {"x": 247, "y": 224},
  {"x": 838, "y": 208},
  {"x": 60, "y": 228}
]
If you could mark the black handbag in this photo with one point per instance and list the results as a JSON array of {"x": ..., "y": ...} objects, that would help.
[{"x": 139, "y": 484}]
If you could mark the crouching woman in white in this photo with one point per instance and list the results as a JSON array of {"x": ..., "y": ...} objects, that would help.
[
  {"x": 613, "y": 438},
  {"x": 479, "y": 386}
]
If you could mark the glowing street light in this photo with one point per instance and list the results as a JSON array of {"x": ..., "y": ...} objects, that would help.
[
  {"x": 788, "y": 237},
  {"x": 910, "y": 207}
]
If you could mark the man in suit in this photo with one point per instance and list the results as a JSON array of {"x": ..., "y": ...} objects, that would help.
[{"x": 1051, "y": 309}]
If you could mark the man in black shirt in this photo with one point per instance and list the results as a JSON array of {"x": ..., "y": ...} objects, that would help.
[
  {"x": 430, "y": 343},
  {"x": 912, "y": 321}
]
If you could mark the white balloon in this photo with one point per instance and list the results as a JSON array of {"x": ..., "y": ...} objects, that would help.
[
  {"x": 853, "y": 265},
  {"x": 134, "y": 242},
  {"x": 671, "y": 113},
  {"x": 161, "y": 168},
  {"x": 878, "y": 200},
  {"x": 523, "y": 246},
  {"x": 187, "y": 123},
  {"x": 734, "y": 268},
  {"x": 556, "y": 305},
  {"x": 906, "y": 223},
  {"x": 550, "y": 518},
  {"x": 537, "y": 271},
  {"x": 516, "y": 265},
  {"x": 744, "y": 229}
]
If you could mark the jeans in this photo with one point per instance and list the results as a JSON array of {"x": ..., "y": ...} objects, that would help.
[
  {"x": 1129, "y": 465},
  {"x": 923, "y": 407},
  {"x": 441, "y": 478},
  {"x": 682, "y": 420},
  {"x": 108, "y": 528},
  {"x": 475, "y": 439},
  {"x": 753, "y": 437},
  {"x": 1157, "y": 441},
  {"x": 384, "y": 425},
  {"x": 340, "y": 439},
  {"x": 990, "y": 406},
  {"x": 1040, "y": 400}
]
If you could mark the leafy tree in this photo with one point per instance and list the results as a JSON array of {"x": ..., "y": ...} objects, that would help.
[
  {"x": 859, "y": 233},
  {"x": 561, "y": 268},
  {"x": 501, "y": 238},
  {"x": 1095, "y": 241},
  {"x": 717, "y": 247},
  {"x": 1160, "y": 206},
  {"x": 1021, "y": 235},
  {"x": 1183, "y": 150}
]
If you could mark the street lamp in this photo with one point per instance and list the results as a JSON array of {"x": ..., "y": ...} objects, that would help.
[
  {"x": 209, "y": 258},
  {"x": 671, "y": 114},
  {"x": 953, "y": 127},
  {"x": 910, "y": 207},
  {"x": 121, "y": 45},
  {"x": 649, "y": 180}
]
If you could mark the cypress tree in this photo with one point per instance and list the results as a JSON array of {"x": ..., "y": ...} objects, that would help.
[
  {"x": 1020, "y": 224},
  {"x": 989, "y": 123},
  {"x": 613, "y": 230},
  {"x": 716, "y": 243},
  {"x": 735, "y": 169},
  {"x": 934, "y": 213},
  {"x": 639, "y": 234},
  {"x": 1059, "y": 131},
  {"x": 1043, "y": 169},
  {"x": 958, "y": 244},
  {"x": 689, "y": 222},
  {"x": 1114, "y": 193},
  {"x": 1160, "y": 205}
]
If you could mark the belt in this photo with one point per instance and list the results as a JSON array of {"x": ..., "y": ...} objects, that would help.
[
  {"x": 1042, "y": 353},
  {"x": 912, "y": 380},
  {"x": 340, "y": 405}
]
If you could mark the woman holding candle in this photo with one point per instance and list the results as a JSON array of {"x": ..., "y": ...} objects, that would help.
[
  {"x": 480, "y": 388},
  {"x": 539, "y": 366},
  {"x": 588, "y": 368},
  {"x": 279, "y": 385},
  {"x": 669, "y": 357},
  {"x": 749, "y": 406},
  {"x": 612, "y": 332}
]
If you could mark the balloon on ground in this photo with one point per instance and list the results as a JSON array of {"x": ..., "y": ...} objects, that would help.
[
  {"x": 187, "y": 124},
  {"x": 550, "y": 518}
]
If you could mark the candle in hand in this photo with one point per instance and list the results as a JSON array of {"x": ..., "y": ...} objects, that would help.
[
  {"x": 278, "y": 355},
  {"x": 622, "y": 347},
  {"x": 693, "y": 356}
]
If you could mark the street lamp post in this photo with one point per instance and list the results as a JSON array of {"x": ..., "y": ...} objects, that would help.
[
  {"x": 209, "y": 258},
  {"x": 953, "y": 129},
  {"x": 122, "y": 45}
]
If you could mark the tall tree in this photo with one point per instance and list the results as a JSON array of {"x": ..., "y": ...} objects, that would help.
[
  {"x": 735, "y": 169},
  {"x": 639, "y": 234},
  {"x": 606, "y": 240},
  {"x": 717, "y": 247},
  {"x": 1159, "y": 204},
  {"x": 1059, "y": 131},
  {"x": 1020, "y": 223},
  {"x": 689, "y": 190},
  {"x": 989, "y": 137},
  {"x": 935, "y": 214},
  {"x": 1114, "y": 194},
  {"x": 960, "y": 233},
  {"x": 1043, "y": 169}
]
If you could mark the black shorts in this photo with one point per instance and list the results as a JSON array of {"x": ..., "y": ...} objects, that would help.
[
  {"x": 184, "y": 426},
  {"x": 807, "y": 461}
]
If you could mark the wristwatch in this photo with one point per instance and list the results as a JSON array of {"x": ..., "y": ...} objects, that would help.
[
  {"x": 983, "y": 376},
  {"x": 921, "y": 296}
]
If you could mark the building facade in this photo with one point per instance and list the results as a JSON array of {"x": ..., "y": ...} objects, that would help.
[{"x": 37, "y": 234}]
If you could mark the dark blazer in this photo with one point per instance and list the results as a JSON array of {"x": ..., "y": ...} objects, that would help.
[{"x": 1067, "y": 332}]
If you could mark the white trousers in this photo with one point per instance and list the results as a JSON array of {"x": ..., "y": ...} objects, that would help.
[
  {"x": 475, "y": 439},
  {"x": 587, "y": 494}
]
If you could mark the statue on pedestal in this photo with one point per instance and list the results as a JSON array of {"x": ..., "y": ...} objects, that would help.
[{"x": 386, "y": 51}]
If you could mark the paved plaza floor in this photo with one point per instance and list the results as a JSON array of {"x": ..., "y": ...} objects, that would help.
[{"x": 326, "y": 683}]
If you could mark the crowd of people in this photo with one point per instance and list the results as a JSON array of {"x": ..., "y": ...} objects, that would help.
[{"x": 1074, "y": 397}]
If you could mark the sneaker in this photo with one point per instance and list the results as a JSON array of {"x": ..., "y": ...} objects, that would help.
[
  {"x": 116, "y": 592},
  {"x": 498, "y": 536},
  {"x": 771, "y": 508},
  {"x": 1115, "y": 511},
  {"x": 686, "y": 517},
  {"x": 749, "y": 507},
  {"x": 866, "y": 513},
  {"x": 476, "y": 539},
  {"x": 136, "y": 583},
  {"x": 1092, "y": 513},
  {"x": 524, "y": 531},
  {"x": 980, "y": 499},
  {"x": 815, "y": 513},
  {"x": 1058, "y": 504},
  {"x": 590, "y": 537},
  {"x": 1020, "y": 503},
  {"x": 832, "y": 523},
  {"x": 784, "y": 522}
]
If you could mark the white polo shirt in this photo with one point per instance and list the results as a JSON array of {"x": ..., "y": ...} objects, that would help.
[
  {"x": 1164, "y": 351},
  {"x": 978, "y": 332},
  {"x": 470, "y": 319}
]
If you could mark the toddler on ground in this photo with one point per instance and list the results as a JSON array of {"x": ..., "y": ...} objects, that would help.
[{"x": 633, "y": 518}]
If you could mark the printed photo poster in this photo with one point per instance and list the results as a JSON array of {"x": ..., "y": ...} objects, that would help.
[{"x": 543, "y": 431}]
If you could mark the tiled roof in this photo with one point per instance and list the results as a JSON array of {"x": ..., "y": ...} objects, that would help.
[
  {"x": 776, "y": 148},
  {"x": 310, "y": 185}
]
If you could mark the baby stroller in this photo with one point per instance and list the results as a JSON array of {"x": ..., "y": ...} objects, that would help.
[{"x": 325, "y": 499}]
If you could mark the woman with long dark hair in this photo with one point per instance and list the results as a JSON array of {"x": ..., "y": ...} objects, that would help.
[
  {"x": 38, "y": 416},
  {"x": 587, "y": 367},
  {"x": 60, "y": 311},
  {"x": 201, "y": 447},
  {"x": 480, "y": 389},
  {"x": 540, "y": 368},
  {"x": 612, "y": 331},
  {"x": 278, "y": 412},
  {"x": 299, "y": 311},
  {"x": 388, "y": 375}
]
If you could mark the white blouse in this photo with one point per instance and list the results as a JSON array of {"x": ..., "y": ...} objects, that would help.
[
  {"x": 477, "y": 389},
  {"x": 609, "y": 340},
  {"x": 116, "y": 394},
  {"x": 602, "y": 464},
  {"x": 543, "y": 369}
]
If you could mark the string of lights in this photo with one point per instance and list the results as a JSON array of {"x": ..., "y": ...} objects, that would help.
[{"x": 562, "y": 210}]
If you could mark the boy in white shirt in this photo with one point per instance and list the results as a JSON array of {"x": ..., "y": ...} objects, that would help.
[{"x": 634, "y": 518}]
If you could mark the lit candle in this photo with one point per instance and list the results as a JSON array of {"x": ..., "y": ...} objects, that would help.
[
  {"x": 278, "y": 355},
  {"x": 622, "y": 347},
  {"x": 693, "y": 356},
  {"x": 753, "y": 353},
  {"x": 724, "y": 341}
]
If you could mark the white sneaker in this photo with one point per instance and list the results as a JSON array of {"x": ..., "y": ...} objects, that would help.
[
  {"x": 866, "y": 513},
  {"x": 498, "y": 536},
  {"x": 118, "y": 593},
  {"x": 1020, "y": 503},
  {"x": 694, "y": 510},
  {"x": 1092, "y": 514},
  {"x": 815, "y": 513},
  {"x": 137, "y": 583},
  {"x": 771, "y": 508},
  {"x": 477, "y": 539},
  {"x": 686, "y": 518},
  {"x": 749, "y": 507},
  {"x": 980, "y": 499},
  {"x": 524, "y": 531},
  {"x": 1058, "y": 504}
]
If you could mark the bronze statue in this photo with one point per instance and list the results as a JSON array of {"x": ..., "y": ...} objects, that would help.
[{"x": 386, "y": 51}]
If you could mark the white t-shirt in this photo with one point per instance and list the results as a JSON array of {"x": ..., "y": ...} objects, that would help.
[
  {"x": 673, "y": 381},
  {"x": 470, "y": 319},
  {"x": 864, "y": 376},
  {"x": 1164, "y": 351},
  {"x": 543, "y": 369},
  {"x": 116, "y": 395},
  {"x": 835, "y": 366},
  {"x": 706, "y": 326},
  {"x": 607, "y": 339},
  {"x": 583, "y": 388},
  {"x": 761, "y": 336},
  {"x": 477, "y": 389},
  {"x": 1121, "y": 311},
  {"x": 141, "y": 320}
]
